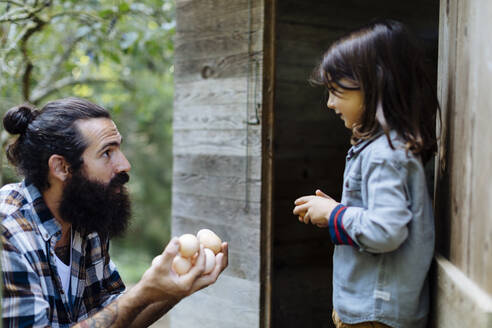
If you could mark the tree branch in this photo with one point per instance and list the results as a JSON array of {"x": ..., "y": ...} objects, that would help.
[
  {"x": 26, "y": 78},
  {"x": 76, "y": 13},
  {"x": 29, "y": 13},
  {"x": 58, "y": 62},
  {"x": 12, "y": 2},
  {"x": 40, "y": 94},
  {"x": 9, "y": 16}
]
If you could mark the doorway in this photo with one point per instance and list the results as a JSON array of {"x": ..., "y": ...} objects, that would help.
[{"x": 310, "y": 143}]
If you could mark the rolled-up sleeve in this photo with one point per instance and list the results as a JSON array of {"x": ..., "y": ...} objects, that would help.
[{"x": 383, "y": 225}]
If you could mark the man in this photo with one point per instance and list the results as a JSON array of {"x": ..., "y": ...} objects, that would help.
[{"x": 57, "y": 223}]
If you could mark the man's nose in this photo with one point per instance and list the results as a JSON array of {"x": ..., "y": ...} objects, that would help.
[{"x": 123, "y": 164}]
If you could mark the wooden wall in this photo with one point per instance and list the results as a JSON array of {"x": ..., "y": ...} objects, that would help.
[
  {"x": 463, "y": 192},
  {"x": 310, "y": 143},
  {"x": 217, "y": 155}
]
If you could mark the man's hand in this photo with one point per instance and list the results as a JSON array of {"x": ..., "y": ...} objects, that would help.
[
  {"x": 221, "y": 262},
  {"x": 160, "y": 282},
  {"x": 315, "y": 208}
]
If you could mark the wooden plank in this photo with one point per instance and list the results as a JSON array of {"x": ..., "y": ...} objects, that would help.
[
  {"x": 235, "y": 298},
  {"x": 241, "y": 238},
  {"x": 202, "y": 117},
  {"x": 215, "y": 67},
  {"x": 460, "y": 155},
  {"x": 212, "y": 92},
  {"x": 208, "y": 16},
  {"x": 459, "y": 302},
  {"x": 453, "y": 188},
  {"x": 234, "y": 188},
  {"x": 267, "y": 168},
  {"x": 219, "y": 45},
  {"x": 480, "y": 246},
  {"x": 226, "y": 20},
  {"x": 209, "y": 208},
  {"x": 210, "y": 117},
  {"x": 219, "y": 165},
  {"x": 446, "y": 87},
  {"x": 217, "y": 156},
  {"x": 244, "y": 243},
  {"x": 217, "y": 142}
]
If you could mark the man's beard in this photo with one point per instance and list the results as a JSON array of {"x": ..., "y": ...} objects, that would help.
[{"x": 92, "y": 206}]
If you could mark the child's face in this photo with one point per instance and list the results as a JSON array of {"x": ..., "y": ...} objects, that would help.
[{"x": 349, "y": 104}]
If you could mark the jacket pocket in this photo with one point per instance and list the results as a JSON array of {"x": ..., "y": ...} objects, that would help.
[{"x": 352, "y": 191}]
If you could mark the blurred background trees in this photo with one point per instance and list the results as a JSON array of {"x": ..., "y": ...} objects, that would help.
[{"x": 117, "y": 54}]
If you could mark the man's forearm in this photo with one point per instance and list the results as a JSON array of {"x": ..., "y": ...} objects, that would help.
[
  {"x": 117, "y": 314},
  {"x": 152, "y": 313}
]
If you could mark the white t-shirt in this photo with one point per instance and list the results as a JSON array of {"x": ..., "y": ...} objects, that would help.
[{"x": 64, "y": 273}]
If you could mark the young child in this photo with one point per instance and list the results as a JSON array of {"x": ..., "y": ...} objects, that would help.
[{"x": 383, "y": 228}]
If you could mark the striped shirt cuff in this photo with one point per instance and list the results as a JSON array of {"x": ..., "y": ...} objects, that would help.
[{"x": 337, "y": 231}]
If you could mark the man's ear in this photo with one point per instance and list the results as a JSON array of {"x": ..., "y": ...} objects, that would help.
[{"x": 58, "y": 167}]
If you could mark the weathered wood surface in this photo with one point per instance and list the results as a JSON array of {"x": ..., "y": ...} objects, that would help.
[
  {"x": 463, "y": 187},
  {"x": 230, "y": 302},
  {"x": 480, "y": 83},
  {"x": 217, "y": 154},
  {"x": 463, "y": 194},
  {"x": 267, "y": 167},
  {"x": 459, "y": 302}
]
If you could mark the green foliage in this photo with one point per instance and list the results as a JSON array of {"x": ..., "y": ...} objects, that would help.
[{"x": 118, "y": 54}]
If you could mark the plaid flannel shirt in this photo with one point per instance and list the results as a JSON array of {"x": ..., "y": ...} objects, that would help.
[{"x": 32, "y": 292}]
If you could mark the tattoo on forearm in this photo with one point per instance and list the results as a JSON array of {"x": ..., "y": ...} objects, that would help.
[
  {"x": 103, "y": 319},
  {"x": 63, "y": 253}
]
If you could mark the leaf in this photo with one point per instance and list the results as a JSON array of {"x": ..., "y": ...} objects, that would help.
[
  {"x": 128, "y": 40},
  {"x": 106, "y": 13},
  {"x": 113, "y": 56},
  {"x": 124, "y": 7},
  {"x": 82, "y": 31}
]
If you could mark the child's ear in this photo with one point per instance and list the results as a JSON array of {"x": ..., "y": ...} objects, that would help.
[{"x": 58, "y": 167}]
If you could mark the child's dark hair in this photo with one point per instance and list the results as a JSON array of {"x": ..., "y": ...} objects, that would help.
[
  {"x": 51, "y": 130},
  {"x": 388, "y": 65}
]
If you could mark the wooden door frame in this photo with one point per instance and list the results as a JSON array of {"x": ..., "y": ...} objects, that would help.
[{"x": 267, "y": 165}]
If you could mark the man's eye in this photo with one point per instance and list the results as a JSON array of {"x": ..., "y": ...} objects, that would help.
[{"x": 107, "y": 153}]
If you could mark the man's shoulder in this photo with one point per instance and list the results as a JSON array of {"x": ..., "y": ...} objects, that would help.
[
  {"x": 12, "y": 198},
  {"x": 13, "y": 209}
]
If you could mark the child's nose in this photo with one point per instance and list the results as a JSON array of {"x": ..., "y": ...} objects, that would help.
[{"x": 330, "y": 103}]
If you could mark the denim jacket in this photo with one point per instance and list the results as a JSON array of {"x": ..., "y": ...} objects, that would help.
[{"x": 384, "y": 235}]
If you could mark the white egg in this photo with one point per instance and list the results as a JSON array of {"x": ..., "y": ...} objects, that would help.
[
  {"x": 209, "y": 239},
  {"x": 209, "y": 260},
  {"x": 181, "y": 265},
  {"x": 188, "y": 245}
]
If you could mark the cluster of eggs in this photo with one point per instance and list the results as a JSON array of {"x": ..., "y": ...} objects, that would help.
[{"x": 190, "y": 244}]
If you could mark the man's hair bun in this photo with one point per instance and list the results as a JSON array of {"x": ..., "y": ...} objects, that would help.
[{"x": 18, "y": 118}]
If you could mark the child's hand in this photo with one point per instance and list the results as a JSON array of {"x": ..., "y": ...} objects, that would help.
[{"x": 316, "y": 208}]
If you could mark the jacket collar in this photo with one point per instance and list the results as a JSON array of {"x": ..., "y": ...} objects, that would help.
[{"x": 358, "y": 147}]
